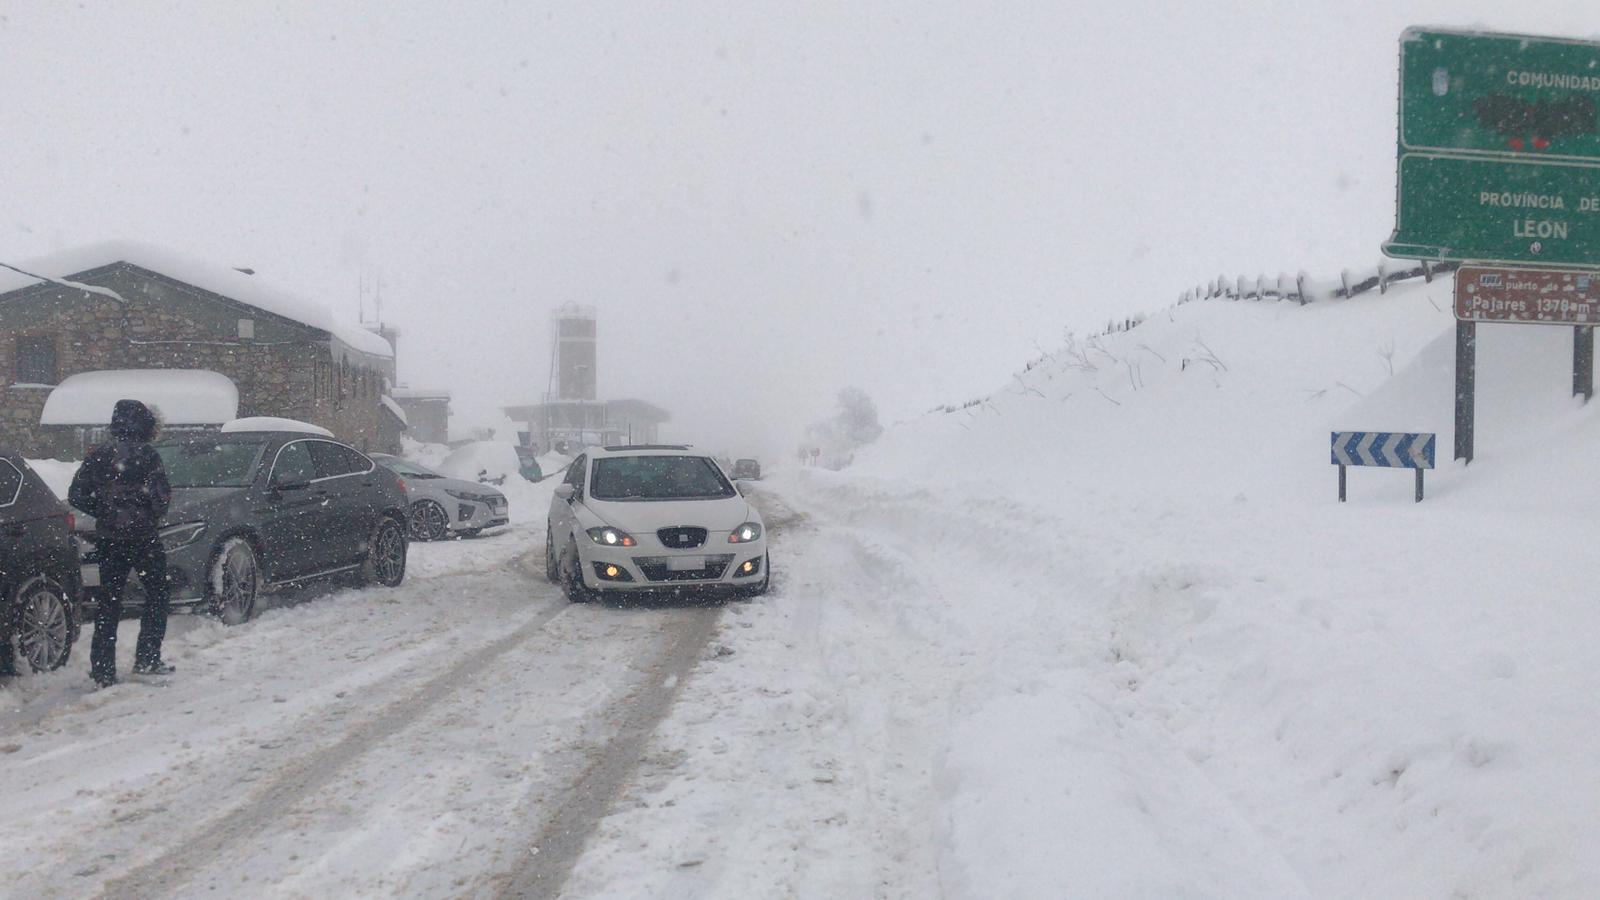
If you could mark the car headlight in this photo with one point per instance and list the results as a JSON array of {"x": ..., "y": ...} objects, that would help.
[
  {"x": 182, "y": 535},
  {"x": 468, "y": 496},
  {"x": 744, "y": 534},
  {"x": 607, "y": 536}
]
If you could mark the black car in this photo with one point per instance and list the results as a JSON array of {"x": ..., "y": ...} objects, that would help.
[
  {"x": 38, "y": 571},
  {"x": 747, "y": 469},
  {"x": 253, "y": 511}
]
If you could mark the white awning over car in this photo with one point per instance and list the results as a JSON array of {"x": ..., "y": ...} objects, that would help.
[{"x": 180, "y": 396}]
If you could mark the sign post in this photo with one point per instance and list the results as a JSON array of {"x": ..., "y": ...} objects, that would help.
[{"x": 1499, "y": 163}]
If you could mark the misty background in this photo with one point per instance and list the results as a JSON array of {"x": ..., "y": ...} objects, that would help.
[{"x": 765, "y": 203}]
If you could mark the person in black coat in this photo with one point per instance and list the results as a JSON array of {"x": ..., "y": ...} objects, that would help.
[{"x": 124, "y": 486}]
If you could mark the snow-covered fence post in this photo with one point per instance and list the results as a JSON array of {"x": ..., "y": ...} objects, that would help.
[
  {"x": 1427, "y": 272},
  {"x": 1344, "y": 282},
  {"x": 1383, "y": 278},
  {"x": 1300, "y": 287}
]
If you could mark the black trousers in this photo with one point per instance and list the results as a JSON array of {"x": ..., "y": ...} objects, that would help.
[{"x": 117, "y": 559}]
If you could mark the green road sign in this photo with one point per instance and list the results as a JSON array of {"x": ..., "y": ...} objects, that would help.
[
  {"x": 1499, "y": 154},
  {"x": 1493, "y": 210},
  {"x": 1505, "y": 95}
]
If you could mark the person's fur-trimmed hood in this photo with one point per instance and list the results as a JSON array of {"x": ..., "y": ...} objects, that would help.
[{"x": 135, "y": 421}]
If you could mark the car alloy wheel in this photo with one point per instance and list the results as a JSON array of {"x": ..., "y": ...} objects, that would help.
[
  {"x": 386, "y": 554},
  {"x": 44, "y": 625},
  {"x": 235, "y": 582},
  {"x": 429, "y": 522}
]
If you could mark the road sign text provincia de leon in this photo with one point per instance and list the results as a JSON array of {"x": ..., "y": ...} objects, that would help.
[{"x": 1499, "y": 150}]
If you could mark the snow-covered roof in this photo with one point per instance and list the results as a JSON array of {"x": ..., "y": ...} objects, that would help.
[
  {"x": 183, "y": 396},
  {"x": 273, "y": 423},
  {"x": 213, "y": 277},
  {"x": 409, "y": 393},
  {"x": 391, "y": 406}
]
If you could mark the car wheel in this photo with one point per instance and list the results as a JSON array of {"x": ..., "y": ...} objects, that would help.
[
  {"x": 234, "y": 582},
  {"x": 552, "y": 569},
  {"x": 572, "y": 576},
  {"x": 44, "y": 624},
  {"x": 429, "y": 522},
  {"x": 386, "y": 554}
]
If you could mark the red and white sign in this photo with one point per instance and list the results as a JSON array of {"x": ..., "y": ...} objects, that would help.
[{"x": 1532, "y": 296}]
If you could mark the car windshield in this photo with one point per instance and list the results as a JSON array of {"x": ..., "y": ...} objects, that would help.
[
  {"x": 659, "y": 478},
  {"x": 211, "y": 463},
  {"x": 406, "y": 467}
]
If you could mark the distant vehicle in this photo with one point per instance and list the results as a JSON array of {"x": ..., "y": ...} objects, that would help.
[
  {"x": 747, "y": 468},
  {"x": 254, "y": 511},
  {"x": 440, "y": 506},
  {"x": 657, "y": 518},
  {"x": 38, "y": 570}
]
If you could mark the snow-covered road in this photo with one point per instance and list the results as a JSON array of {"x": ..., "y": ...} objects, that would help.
[{"x": 416, "y": 742}]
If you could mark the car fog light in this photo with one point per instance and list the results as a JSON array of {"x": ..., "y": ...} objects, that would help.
[{"x": 611, "y": 572}]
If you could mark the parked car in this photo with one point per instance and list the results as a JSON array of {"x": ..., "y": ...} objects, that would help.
[
  {"x": 440, "y": 506},
  {"x": 655, "y": 518},
  {"x": 747, "y": 469},
  {"x": 257, "y": 510},
  {"x": 38, "y": 571}
]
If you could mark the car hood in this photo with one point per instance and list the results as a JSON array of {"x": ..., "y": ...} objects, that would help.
[
  {"x": 646, "y": 516},
  {"x": 192, "y": 504},
  {"x": 450, "y": 484},
  {"x": 188, "y": 505}
]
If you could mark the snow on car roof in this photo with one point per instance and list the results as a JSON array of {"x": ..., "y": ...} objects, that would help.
[
  {"x": 273, "y": 423},
  {"x": 214, "y": 277},
  {"x": 182, "y": 396},
  {"x": 644, "y": 450}
]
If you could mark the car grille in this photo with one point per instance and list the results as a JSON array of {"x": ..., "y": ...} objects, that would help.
[
  {"x": 655, "y": 568},
  {"x": 682, "y": 538}
]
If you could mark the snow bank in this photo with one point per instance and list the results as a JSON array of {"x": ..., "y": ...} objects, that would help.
[
  {"x": 182, "y": 396},
  {"x": 1107, "y": 632}
]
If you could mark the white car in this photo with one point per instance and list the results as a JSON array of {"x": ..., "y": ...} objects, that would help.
[
  {"x": 440, "y": 507},
  {"x": 653, "y": 518}
]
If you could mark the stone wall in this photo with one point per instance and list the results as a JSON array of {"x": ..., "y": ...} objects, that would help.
[{"x": 285, "y": 369}]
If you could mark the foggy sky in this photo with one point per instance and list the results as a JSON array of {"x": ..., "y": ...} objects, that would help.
[{"x": 765, "y": 202}]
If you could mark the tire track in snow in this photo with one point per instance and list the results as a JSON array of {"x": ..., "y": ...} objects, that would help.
[
  {"x": 558, "y": 845},
  {"x": 161, "y": 876}
]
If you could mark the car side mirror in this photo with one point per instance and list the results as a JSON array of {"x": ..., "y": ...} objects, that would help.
[{"x": 566, "y": 492}]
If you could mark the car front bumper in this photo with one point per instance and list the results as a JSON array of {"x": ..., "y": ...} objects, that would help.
[
  {"x": 186, "y": 568},
  {"x": 658, "y": 569},
  {"x": 475, "y": 515}
]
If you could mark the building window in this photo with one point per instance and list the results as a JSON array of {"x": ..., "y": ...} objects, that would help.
[{"x": 36, "y": 360}]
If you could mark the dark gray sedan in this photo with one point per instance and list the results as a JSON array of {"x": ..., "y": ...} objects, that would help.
[{"x": 256, "y": 511}]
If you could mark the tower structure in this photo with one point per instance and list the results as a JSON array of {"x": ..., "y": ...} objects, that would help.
[{"x": 575, "y": 336}]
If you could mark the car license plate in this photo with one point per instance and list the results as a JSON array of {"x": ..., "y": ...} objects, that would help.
[
  {"x": 89, "y": 575},
  {"x": 685, "y": 563}
]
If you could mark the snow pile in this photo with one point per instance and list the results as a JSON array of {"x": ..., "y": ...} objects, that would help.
[
  {"x": 1107, "y": 632},
  {"x": 273, "y": 423},
  {"x": 57, "y": 474},
  {"x": 181, "y": 396},
  {"x": 482, "y": 461}
]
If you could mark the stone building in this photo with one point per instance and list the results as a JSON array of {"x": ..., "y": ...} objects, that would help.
[{"x": 130, "y": 308}]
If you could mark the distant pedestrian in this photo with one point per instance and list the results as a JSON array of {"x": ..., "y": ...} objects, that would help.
[{"x": 123, "y": 484}]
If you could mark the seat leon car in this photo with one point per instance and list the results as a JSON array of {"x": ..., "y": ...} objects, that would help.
[
  {"x": 38, "y": 572},
  {"x": 442, "y": 506},
  {"x": 257, "y": 510},
  {"x": 653, "y": 518}
]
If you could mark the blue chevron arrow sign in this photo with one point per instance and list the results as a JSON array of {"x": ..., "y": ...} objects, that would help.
[
  {"x": 1392, "y": 449},
  {"x": 1387, "y": 449}
]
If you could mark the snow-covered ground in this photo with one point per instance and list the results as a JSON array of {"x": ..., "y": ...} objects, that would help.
[{"x": 1106, "y": 633}]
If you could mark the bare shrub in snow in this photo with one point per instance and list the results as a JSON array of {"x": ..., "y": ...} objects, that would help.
[{"x": 853, "y": 426}]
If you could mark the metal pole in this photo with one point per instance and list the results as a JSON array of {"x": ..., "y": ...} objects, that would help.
[
  {"x": 1419, "y": 485},
  {"x": 1466, "y": 369},
  {"x": 1583, "y": 362},
  {"x": 1341, "y": 483}
]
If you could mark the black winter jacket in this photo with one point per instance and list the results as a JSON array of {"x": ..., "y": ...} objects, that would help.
[{"x": 122, "y": 483}]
